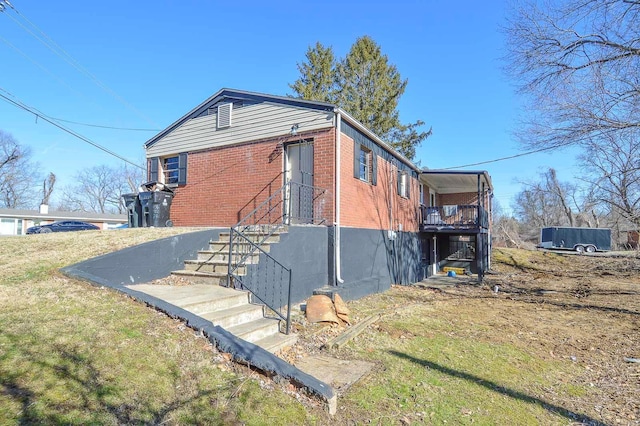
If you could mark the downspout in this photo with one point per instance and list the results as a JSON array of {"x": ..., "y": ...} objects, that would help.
[{"x": 336, "y": 223}]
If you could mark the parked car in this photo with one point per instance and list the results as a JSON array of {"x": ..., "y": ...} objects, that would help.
[{"x": 62, "y": 226}]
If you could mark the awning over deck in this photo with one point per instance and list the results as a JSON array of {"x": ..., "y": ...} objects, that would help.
[{"x": 456, "y": 181}]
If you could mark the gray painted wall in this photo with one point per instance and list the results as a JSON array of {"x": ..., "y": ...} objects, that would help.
[
  {"x": 371, "y": 262},
  {"x": 303, "y": 249},
  {"x": 145, "y": 262}
]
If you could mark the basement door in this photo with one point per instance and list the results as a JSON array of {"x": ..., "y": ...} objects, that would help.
[{"x": 300, "y": 177}]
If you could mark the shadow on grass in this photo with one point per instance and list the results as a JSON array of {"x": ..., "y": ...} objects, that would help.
[
  {"x": 95, "y": 397},
  {"x": 575, "y": 417}
]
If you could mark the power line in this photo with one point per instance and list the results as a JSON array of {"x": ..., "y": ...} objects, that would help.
[
  {"x": 522, "y": 154},
  {"x": 61, "y": 81},
  {"x": 23, "y": 106},
  {"x": 50, "y": 44},
  {"x": 105, "y": 127}
]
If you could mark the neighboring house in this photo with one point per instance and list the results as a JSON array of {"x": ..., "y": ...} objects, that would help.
[
  {"x": 16, "y": 222},
  {"x": 361, "y": 216}
]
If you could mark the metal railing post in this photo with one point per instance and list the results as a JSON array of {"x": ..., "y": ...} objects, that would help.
[
  {"x": 289, "y": 305},
  {"x": 229, "y": 270}
]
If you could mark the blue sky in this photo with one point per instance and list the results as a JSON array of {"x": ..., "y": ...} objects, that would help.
[{"x": 149, "y": 62}]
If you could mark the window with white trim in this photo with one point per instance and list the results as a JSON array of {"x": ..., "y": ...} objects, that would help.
[
  {"x": 403, "y": 184},
  {"x": 364, "y": 160},
  {"x": 171, "y": 170},
  {"x": 365, "y": 164}
]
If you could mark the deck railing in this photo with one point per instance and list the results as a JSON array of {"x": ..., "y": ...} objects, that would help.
[{"x": 462, "y": 216}]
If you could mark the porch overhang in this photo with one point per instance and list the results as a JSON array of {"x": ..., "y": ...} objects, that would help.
[{"x": 456, "y": 181}]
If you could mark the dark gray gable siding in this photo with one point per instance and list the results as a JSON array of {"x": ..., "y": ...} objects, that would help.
[{"x": 362, "y": 139}]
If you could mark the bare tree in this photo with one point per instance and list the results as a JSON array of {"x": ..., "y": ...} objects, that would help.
[
  {"x": 578, "y": 63},
  {"x": 550, "y": 202},
  {"x": 613, "y": 171},
  {"x": 100, "y": 189},
  {"x": 506, "y": 229},
  {"x": 47, "y": 188},
  {"x": 18, "y": 175}
]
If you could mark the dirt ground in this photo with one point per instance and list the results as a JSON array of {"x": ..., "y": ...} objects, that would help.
[{"x": 558, "y": 306}]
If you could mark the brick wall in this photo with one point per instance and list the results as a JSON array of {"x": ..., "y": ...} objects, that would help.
[
  {"x": 364, "y": 205},
  {"x": 224, "y": 184},
  {"x": 463, "y": 198},
  {"x": 468, "y": 198}
]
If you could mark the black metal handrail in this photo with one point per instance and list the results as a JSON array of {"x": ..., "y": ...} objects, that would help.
[
  {"x": 293, "y": 203},
  {"x": 268, "y": 281}
]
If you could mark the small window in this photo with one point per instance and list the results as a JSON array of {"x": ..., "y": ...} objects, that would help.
[
  {"x": 365, "y": 164},
  {"x": 364, "y": 161},
  {"x": 173, "y": 169},
  {"x": 170, "y": 170},
  {"x": 403, "y": 184}
]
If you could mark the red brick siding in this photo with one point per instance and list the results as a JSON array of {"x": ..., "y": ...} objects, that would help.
[
  {"x": 468, "y": 198},
  {"x": 224, "y": 184},
  {"x": 371, "y": 206},
  {"x": 458, "y": 199}
]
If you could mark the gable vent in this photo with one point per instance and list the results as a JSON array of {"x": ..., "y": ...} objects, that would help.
[{"x": 224, "y": 115}]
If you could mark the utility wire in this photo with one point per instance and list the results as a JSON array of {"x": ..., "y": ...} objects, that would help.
[
  {"x": 61, "y": 81},
  {"x": 42, "y": 67},
  {"x": 63, "y": 54},
  {"x": 105, "y": 127},
  {"x": 522, "y": 154},
  {"x": 35, "y": 112}
]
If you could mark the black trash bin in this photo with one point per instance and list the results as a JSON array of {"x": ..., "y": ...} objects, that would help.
[
  {"x": 134, "y": 210},
  {"x": 156, "y": 206}
]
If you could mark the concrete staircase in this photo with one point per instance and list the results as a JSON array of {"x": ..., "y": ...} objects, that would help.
[
  {"x": 231, "y": 309},
  {"x": 213, "y": 263}
]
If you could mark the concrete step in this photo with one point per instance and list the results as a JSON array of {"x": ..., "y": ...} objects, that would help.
[
  {"x": 205, "y": 303},
  {"x": 192, "y": 294},
  {"x": 212, "y": 278},
  {"x": 280, "y": 228},
  {"x": 224, "y": 256},
  {"x": 215, "y": 266},
  {"x": 255, "y": 330},
  {"x": 254, "y": 236},
  {"x": 276, "y": 342},
  {"x": 219, "y": 246},
  {"x": 235, "y": 316}
]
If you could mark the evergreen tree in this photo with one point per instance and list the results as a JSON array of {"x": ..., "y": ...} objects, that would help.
[
  {"x": 366, "y": 86},
  {"x": 317, "y": 75}
]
